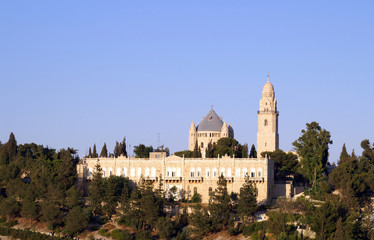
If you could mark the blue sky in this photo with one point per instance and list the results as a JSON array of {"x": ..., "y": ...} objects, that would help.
[{"x": 75, "y": 73}]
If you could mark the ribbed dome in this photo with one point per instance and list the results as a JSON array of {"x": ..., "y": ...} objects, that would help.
[{"x": 268, "y": 90}]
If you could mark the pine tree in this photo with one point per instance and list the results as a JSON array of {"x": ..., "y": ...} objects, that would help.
[
  {"x": 94, "y": 153},
  {"x": 253, "y": 152},
  {"x": 219, "y": 205},
  {"x": 89, "y": 153},
  {"x": 344, "y": 156},
  {"x": 339, "y": 232},
  {"x": 247, "y": 203},
  {"x": 104, "y": 151},
  {"x": 11, "y": 146},
  {"x": 96, "y": 190}
]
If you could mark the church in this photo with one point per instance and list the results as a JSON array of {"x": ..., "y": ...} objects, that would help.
[{"x": 200, "y": 175}]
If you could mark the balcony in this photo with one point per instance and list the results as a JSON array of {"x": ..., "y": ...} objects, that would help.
[
  {"x": 151, "y": 179},
  {"x": 173, "y": 179},
  {"x": 195, "y": 179}
]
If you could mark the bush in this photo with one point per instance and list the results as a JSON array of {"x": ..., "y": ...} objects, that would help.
[
  {"x": 122, "y": 235},
  {"x": 253, "y": 228},
  {"x": 104, "y": 232},
  {"x": 143, "y": 235},
  {"x": 11, "y": 223},
  {"x": 25, "y": 234}
]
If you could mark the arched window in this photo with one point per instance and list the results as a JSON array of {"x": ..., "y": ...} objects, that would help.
[
  {"x": 245, "y": 172},
  {"x": 124, "y": 173},
  {"x": 214, "y": 172},
  {"x": 89, "y": 174},
  {"x": 118, "y": 173},
  {"x": 179, "y": 172},
  {"x": 192, "y": 172},
  {"x": 173, "y": 172},
  {"x": 168, "y": 172},
  {"x": 139, "y": 172},
  {"x": 237, "y": 172},
  {"x": 104, "y": 172},
  {"x": 259, "y": 172},
  {"x": 153, "y": 172},
  {"x": 110, "y": 172},
  {"x": 253, "y": 173},
  {"x": 266, "y": 122},
  {"x": 202, "y": 145},
  {"x": 222, "y": 172},
  {"x": 132, "y": 172},
  {"x": 146, "y": 172},
  {"x": 198, "y": 172},
  {"x": 229, "y": 172},
  {"x": 207, "y": 172}
]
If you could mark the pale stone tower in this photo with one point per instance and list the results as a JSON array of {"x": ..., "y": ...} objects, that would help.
[{"x": 267, "y": 135}]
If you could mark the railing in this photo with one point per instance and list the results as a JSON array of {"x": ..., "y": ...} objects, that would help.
[
  {"x": 173, "y": 179},
  {"x": 195, "y": 179}
]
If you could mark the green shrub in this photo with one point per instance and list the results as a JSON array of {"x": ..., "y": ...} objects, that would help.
[
  {"x": 122, "y": 235},
  {"x": 248, "y": 230},
  {"x": 104, "y": 232}
]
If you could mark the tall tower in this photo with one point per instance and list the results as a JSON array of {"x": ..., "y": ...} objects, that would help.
[{"x": 267, "y": 135}]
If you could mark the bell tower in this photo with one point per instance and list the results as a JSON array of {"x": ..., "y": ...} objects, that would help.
[{"x": 267, "y": 135}]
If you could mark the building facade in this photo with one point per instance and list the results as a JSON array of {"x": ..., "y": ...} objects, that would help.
[{"x": 200, "y": 175}]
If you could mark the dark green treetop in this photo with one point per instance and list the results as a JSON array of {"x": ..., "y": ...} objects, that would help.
[
  {"x": 253, "y": 152},
  {"x": 104, "y": 151}
]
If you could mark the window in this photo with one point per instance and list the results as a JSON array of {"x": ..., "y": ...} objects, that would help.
[
  {"x": 139, "y": 172},
  {"x": 195, "y": 190},
  {"x": 253, "y": 172},
  {"x": 198, "y": 172},
  {"x": 110, "y": 171},
  {"x": 192, "y": 172},
  {"x": 132, "y": 172},
  {"x": 202, "y": 145},
  {"x": 168, "y": 172},
  {"x": 104, "y": 172},
  {"x": 146, "y": 172},
  {"x": 118, "y": 172},
  {"x": 178, "y": 172},
  {"x": 89, "y": 174},
  {"x": 207, "y": 172},
  {"x": 266, "y": 122},
  {"x": 266, "y": 144},
  {"x": 214, "y": 172},
  {"x": 229, "y": 172},
  {"x": 237, "y": 172},
  {"x": 245, "y": 172},
  {"x": 173, "y": 172},
  {"x": 222, "y": 172},
  {"x": 124, "y": 173},
  {"x": 259, "y": 172},
  {"x": 153, "y": 172}
]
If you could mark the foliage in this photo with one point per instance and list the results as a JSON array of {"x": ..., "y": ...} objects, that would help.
[
  {"x": 185, "y": 153},
  {"x": 104, "y": 151},
  {"x": 94, "y": 152},
  {"x": 312, "y": 146},
  {"x": 286, "y": 165},
  {"x": 220, "y": 205},
  {"x": 196, "y": 151},
  {"x": 141, "y": 151},
  {"x": 120, "y": 148},
  {"x": 247, "y": 204},
  {"x": 244, "y": 153},
  {"x": 209, "y": 151},
  {"x": 76, "y": 220}
]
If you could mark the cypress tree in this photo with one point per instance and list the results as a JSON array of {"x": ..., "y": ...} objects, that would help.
[
  {"x": 97, "y": 190},
  {"x": 245, "y": 151},
  {"x": 89, "y": 153},
  {"x": 122, "y": 148},
  {"x": 344, "y": 156},
  {"x": 209, "y": 151},
  {"x": 104, "y": 151},
  {"x": 117, "y": 150},
  {"x": 196, "y": 151},
  {"x": 253, "y": 152},
  {"x": 94, "y": 153},
  {"x": 11, "y": 146}
]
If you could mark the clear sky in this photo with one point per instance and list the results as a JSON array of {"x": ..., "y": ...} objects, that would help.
[{"x": 75, "y": 73}]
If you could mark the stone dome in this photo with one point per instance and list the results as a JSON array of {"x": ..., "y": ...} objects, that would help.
[{"x": 268, "y": 90}]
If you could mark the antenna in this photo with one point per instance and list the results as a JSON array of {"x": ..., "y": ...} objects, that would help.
[{"x": 158, "y": 139}]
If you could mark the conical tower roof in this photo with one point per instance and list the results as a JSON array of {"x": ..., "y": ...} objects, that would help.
[{"x": 211, "y": 122}]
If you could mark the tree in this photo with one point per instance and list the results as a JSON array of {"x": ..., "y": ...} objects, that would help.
[
  {"x": 89, "y": 153},
  {"x": 196, "y": 151},
  {"x": 219, "y": 205},
  {"x": 97, "y": 190},
  {"x": 247, "y": 204},
  {"x": 313, "y": 147},
  {"x": 94, "y": 153},
  {"x": 76, "y": 220},
  {"x": 122, "y": 148},
  {"x": 185, "y": 153},
  {"x": 253, "y": 153},
  {"x": 104, "y": 151},
  {"x": 286, "y": 165},
  {"x": 228, "y": 146},
  {"x": 209, "y": 151},
  {"x": 245, "y": 151},
  {"x": 11, "y": 146},
  {"x": 29, "y": 209},
  {"x": 344, "y": 156},
  {"x": 141, "y": 151}
]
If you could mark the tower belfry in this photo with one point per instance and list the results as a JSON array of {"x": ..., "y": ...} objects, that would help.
[{"x": 267, "y": 135}]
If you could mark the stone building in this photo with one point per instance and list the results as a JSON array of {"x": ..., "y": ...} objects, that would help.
[
  {"x": 210, "y": 130},
  {"x": 200, "y": 175}
]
